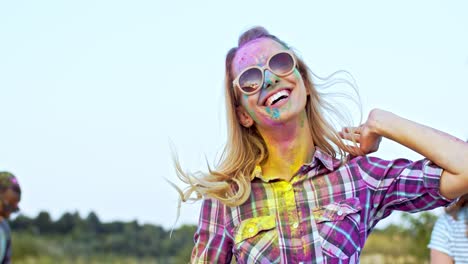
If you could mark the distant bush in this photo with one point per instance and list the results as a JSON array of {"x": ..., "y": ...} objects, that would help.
[
  {"x": 409, "y": 239},
  {"x": 26, "y": 245}
]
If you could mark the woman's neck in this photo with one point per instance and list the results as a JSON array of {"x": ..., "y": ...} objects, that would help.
[{"x": 289, "y": 147}]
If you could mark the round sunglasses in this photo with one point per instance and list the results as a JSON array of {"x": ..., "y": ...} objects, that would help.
[{"x": 251, "y": 79}]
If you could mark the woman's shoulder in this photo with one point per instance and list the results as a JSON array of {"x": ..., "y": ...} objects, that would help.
[
  {"x": 377, "y": 160},
  {"x": 376, "y": 168},
  {"x": 369, "y": 162}
]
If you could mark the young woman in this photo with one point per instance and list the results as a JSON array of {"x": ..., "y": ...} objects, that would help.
[
  {"x": 449, "y": 240},
  {"x": 285, "y": 190}
]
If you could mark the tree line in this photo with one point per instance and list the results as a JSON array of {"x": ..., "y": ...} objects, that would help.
[{"x": 73, "y": 235}]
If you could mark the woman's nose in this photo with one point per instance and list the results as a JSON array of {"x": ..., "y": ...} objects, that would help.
[{"x": 270, "y": 79}]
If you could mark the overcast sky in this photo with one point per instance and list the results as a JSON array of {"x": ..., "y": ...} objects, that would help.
[{"x": 93, "y": 92}]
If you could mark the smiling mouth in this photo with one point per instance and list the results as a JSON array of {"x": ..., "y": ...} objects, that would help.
[{"x": 277, "y": 97}]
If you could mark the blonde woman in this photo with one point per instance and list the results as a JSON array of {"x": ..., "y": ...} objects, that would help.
[{"x": 285, "y": 190}]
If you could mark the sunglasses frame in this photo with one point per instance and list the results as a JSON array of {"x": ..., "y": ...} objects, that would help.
[{"x": 262, "y": 69}]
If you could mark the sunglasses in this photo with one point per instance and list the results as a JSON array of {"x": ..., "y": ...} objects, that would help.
[{"x": 251, "y": 79}]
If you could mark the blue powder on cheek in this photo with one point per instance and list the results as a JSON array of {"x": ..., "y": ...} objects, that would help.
[
  {"x": 246, "y": 97},
  {"x": 275, "y": 114}
]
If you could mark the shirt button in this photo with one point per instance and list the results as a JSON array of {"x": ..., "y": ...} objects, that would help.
[
  {"x": 251, "y": 230},
  {"x": 339, "y": 213},
  {"x": 295, "y": 225}
]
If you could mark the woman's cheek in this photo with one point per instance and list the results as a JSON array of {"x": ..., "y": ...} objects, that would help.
[
  {"x": 269, "y": 116},
  {"x": 253, "y": 115},
  {"x": 248, "y": 103}
]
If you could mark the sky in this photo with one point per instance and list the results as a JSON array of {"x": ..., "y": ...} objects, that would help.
[{"x": 93, "y": 93}]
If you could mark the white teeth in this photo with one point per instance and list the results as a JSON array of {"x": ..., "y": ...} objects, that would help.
[{"x": 275, "y": 96}]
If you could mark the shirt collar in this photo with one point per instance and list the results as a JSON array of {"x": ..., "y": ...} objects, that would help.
[
  {"x": 320, "y": 156},
  {"x": 326, "y": 159}
]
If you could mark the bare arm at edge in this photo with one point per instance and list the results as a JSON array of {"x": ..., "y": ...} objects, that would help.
[
  {"x": 448, "y": 152},
  {"x": 438, "y": 257}
]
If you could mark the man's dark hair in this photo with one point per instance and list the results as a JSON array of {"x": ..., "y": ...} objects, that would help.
[{"x": 9, "y": 181}]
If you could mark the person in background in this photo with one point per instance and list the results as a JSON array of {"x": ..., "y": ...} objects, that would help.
[
  {"x": 10, "y": 196},
  {"x": 449, "y": 239}
]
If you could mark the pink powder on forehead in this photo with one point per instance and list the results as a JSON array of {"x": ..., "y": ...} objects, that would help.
[{"x": 242, "y": 62}]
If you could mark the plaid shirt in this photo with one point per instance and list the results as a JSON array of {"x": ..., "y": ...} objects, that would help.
[{"x": 323, "y": 215}]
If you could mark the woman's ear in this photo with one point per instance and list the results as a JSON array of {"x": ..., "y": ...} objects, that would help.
[{"x": 244, "y": 117}]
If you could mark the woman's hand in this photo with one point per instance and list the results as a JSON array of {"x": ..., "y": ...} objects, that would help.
[
  {"x": 446, "y": 151},
  {"x": 365, "y": 136}
]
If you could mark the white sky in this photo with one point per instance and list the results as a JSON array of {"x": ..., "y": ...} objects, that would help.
[{"x": 93, "y": 91}]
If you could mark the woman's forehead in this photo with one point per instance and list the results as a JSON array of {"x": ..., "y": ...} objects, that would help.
[{"x": 255, "y": 52}]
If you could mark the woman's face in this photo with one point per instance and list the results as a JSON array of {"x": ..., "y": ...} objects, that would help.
[{"x": 260, "y": 107}]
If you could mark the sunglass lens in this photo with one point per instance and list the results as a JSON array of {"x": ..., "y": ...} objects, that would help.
[
  {"x": 282, "y": 63},
  {"x": 250, "y": 80}
]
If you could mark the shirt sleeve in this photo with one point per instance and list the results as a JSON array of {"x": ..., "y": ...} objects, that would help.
[
  {"x": 440, "y": 237},
  {"x": 401, "y": 185},
  {"x": 213, "y": 244},
  {"x": 3, "y": 244}
]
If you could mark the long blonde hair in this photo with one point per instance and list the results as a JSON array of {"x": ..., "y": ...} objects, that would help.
[{"x": 245, "y": 147}]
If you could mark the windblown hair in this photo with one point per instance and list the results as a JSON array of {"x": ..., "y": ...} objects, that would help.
[
  {"x": 456, "y": 208},
  {"x": 245, "y": 147}
]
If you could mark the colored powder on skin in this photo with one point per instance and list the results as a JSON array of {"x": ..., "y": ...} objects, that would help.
[
  {"x": 250, "y": 111},
  {"x": 274, "y": 114},
  {"x": 288, "y": 105},
  {"x": 302, "y": 119},
  {"x": 252, "y": 115},
  {"x": 297, "y": 74},
  {"x": 261, "y": 60}
]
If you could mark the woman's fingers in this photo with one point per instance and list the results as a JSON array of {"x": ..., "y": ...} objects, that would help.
[
  {"x": 350, "y": 136},
  {"x": 355, "y": 130},
  {"x": 355, "y": 151}
]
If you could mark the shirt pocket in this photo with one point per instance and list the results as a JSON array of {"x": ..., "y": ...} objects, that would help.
[
  {"x": 338, "y": 225},
  {"x": 253, "y": 226},
  {"x": 257, "y": 238}
]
